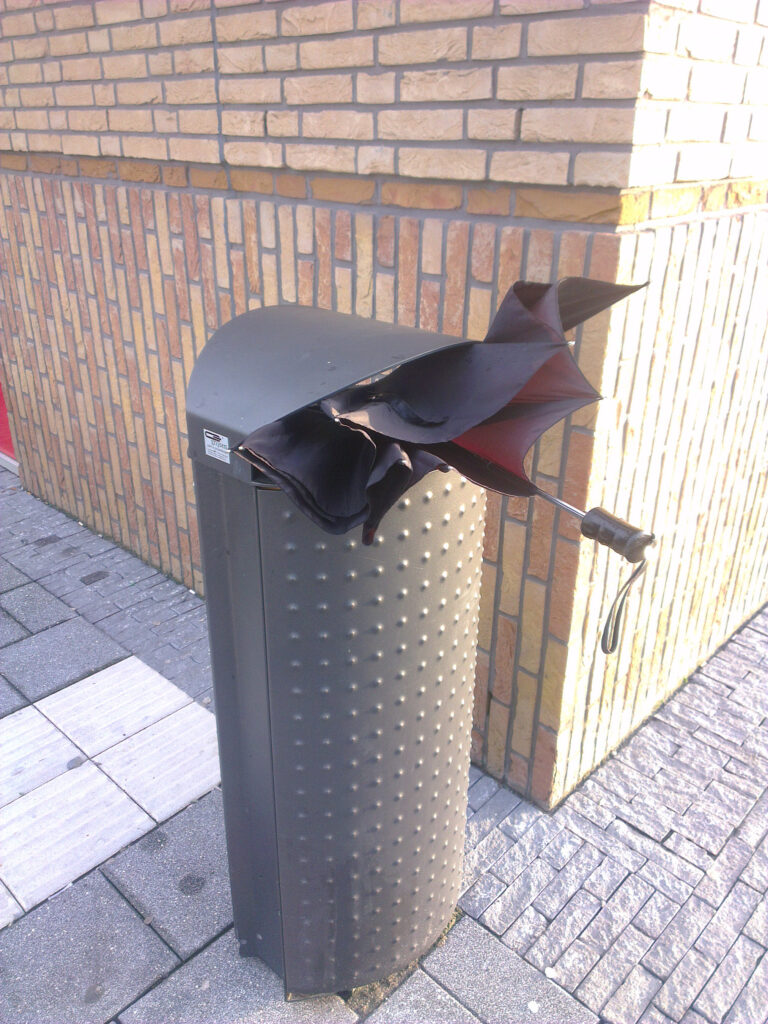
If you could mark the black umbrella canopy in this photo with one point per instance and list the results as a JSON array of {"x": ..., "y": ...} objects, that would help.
[{"x": 477, "y": 406}]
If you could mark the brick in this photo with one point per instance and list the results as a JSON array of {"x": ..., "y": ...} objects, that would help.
[
  {"x": 419, "y": 124},
  {"x": 612, "y": 80},
  {"x": 539, "y": 6},
  {"x": 74, "y": 95},
  {"x": 462, "y": 164},
  {"x": 318, "y": 19},
  {"x": 318, "y": 89},
  {"x": 608, "y": 170},
  {"x": 320, "y": 158},
  {"x": 433, "y": 85},
  {"x": 337, "y": 53},
  {"x": 543, "y": 168},
  {"x": 233, "y": 122},
  {"x": 489, "y": 202},
  {"x": 281, "y": 57},
  {"x": 87, "y": 120},
  {"x": 186, "y": 31},
  {"x": 375, "y": 88},
  {"x": 70, "y": 16},
  {"x": 239, "y": 60},
  {"x": 110, "y": 12},
  {"x": 704, "y": 161},
  {"x": 444, "y": 44},
  {"x": 142, "y": 148},
  {"x": 251, "y": 181},
  {"x": 134, "y": 37},
  {"x": 341, "y": 124},
  {"x": 23, "y": 74},
  {"x": 588, "y": 124},
  {"x": 132, "y": 65},
  {"x": 621, "y": 33},
  {"x": 191, "y": 90},
  {"x": 66, "y": 45},
  {"x": 282, "y": 122},
  {"x": 375, "y": 160},
  {"x": 130, "y": 93},
  {"x": 492, "y": 124},
  {"x": 716, "y": 83},
  {"x": 537, "y": 82},
  {"x": 197, "y": 151},
  {"x": 689, "y": 122},
  {"x": 707, "y": 39},
  {"x": 261, "y": 89},
  {"x": 17, "y": 25},
  {"x": 577, "y": 207},
  {"x": 254, "y": 154},
  {"x": 375, "y": 13},
  {"x": 292, "y": 185},
  {"x": 664, "y": 77},
  {"x": 343, "y": 190},
  {"x": 427, "y": 10},
  {"x": 233, "y": 28},
  {"x": 497, "y": 42}
]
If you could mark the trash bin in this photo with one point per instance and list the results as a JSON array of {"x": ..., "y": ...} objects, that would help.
[{"x": 342, "y": 673}]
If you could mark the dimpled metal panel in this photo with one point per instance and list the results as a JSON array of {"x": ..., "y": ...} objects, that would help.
[{"x": 370, "y": 663}]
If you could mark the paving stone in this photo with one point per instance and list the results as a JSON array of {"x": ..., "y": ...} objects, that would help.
[
  {"x": 521, "y": 819},
  {"x": 683, "y": 985},
  {"x": 606, "y": 878},
  {"x": 62, "y": 829},
  {"x": 632, "y": 997},
  {"x": 721, "y": 991},
  {"x": 757, "y": 926},
  {"x": 177, "y": 876},
  {"x": 219, "y": 985},
  {"x": 562, "y": 887},
  {"x": 480, "y": 896},
  {"x": 10, "y": 629},
  {"x": 728, "y": 921},
  {"x": 69, "y": 651},
  {"x": 655, "y": 915},
  {"x": 656, "y": 852},
  {"x": 726, "y": 868},
  {"x": 569, "y": 923},
  {"x": 517, "y": 896},
  {"x": 606, "y": 842},
  {"x": 612, "y": 968},
  {"x": 559, "y": 850},
  {"x": 705, "y": 827},
  {"x": 678, "y": 937},
  {"x": 495, "y": 983},
  {"x": 617, "y": 913},
  {"x": 10, "y": 576},
  {"x": 754, "y": 826},
  {"x": 494, "y": 810},
  {"x": 751, "y": 1007},
  {"x": 10, "y": 698},
  {"x": 421, "y": 999},
  {"x": 675, "y": 888},
  {"x": 485, "y": 855},
  {"x": 756, "y": 872},
  {"x": 481, "y": 790},
  {"x": 32, "y": 751},
  {"x": 576, "y": 962},
  {"x": 689, "y": 851},
  {"x": 518, "y": 856},
  {"x": 9, "y": 908},
  {"x": 654, "y": 1016},
  {"x": 34, "y": 607},
  {"x": 596, "y": 813},
  {"x": 168, "y": 764},
  {"x": 94, "y": 952},
  {"x": 523, "y": 932}
]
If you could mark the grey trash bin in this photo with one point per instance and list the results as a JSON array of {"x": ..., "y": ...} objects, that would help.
[{"x": 342, "y": 673}]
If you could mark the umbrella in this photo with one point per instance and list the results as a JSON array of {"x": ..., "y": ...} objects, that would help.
[{"x": 346, "y": 458}]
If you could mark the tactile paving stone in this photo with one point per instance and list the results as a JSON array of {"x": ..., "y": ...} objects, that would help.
[
  {"x": 169, "y": 764},
  {"x": 111, "y": 705},
  {"x": 62, "y": 829},
  {"x": 32, "y": 751}
]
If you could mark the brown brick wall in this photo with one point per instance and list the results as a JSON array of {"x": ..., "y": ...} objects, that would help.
[{"x": 167, "y": 164}]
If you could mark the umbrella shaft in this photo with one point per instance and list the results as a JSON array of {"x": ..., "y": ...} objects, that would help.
[{"x": 562, "y": 504}]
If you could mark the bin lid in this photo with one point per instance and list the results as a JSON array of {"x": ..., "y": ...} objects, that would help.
[{"x": 270, "y": 362}]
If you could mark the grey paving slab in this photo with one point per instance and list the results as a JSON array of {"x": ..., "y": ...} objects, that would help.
[
  {"x": 10, "y": 629},
  {"x": 80, "y": 957},
  {"x": 219, "y": 986},
  {"x": 34, "y": 607},
  {"x": 496, "y": 984},
  {"x": 11, "y": 699},
  {"x": 177, "y": 876},
  {"x": 10, "y": 576},
  {"x": 60, "y": 655},
  {"x": 420, "y": 1000},
  {"x": 10, "y": 909}
]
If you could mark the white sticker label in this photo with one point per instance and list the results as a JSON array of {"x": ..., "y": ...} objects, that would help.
[{"x": 216, "y": 445}]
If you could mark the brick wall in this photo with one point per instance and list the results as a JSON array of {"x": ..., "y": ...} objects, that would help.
[{"x": 167, "y": 165}]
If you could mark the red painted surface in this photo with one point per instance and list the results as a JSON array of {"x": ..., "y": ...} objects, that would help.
[{"x": 6, "y": 444}]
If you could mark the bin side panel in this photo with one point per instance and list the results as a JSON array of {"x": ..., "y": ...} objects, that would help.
[
  {"x": 229, "y": 536},
  {"x": 371, "y": 656}
]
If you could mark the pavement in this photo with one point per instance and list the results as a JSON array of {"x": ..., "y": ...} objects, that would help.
[{"x": 641, "y": 898}]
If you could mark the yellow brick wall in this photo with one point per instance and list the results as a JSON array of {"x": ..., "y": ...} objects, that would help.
[{"x": 167, "y": 164}]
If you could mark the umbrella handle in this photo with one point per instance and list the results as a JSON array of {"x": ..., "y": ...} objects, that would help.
[{"x": 619, "y": 536}]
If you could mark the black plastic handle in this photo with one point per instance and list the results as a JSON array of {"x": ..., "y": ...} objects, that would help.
[{"x": 619, "y": 536}]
